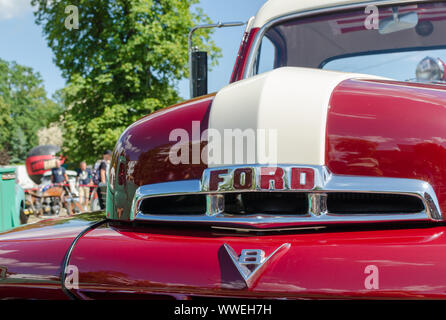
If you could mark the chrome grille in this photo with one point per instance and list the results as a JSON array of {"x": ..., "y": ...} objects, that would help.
[
  {"x": 333, "y": 199},
  {"x": 174, "y": 205},
  {"x": 285, "y": 204},
  {"x": 373, "y": 203},
  {"x": 266, "y": 203}
]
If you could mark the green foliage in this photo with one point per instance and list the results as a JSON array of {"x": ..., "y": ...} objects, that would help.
[
  {"x": 122, "y": 63},
  {"x": 24, "y": 108},
  {"x": 4, "y": 157},
  {"x": 19, "y": 146},
  {"x": 5, "y": 121}
]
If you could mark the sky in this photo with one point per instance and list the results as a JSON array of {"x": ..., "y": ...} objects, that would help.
[{"x": 23, "y": 41}]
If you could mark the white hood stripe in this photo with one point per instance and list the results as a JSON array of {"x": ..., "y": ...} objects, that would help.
[{"x": 293, "y": 101}]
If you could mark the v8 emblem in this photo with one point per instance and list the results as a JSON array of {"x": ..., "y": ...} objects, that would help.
[
  {"x": 251, "y": 256},
  {"x": 251, "y": 262}
]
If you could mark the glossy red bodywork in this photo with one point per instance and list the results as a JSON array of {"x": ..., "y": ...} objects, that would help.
[
  {"x": 150, "y": 136},
  {"x": 31, "y": 257},
  {"x": 389, "y": 129},
  {"x": 142, "y": 152},
  {"x": 119, "y": 261},
  {"x": 183, "y": 264},
  {"x": 374, "y": 128}
]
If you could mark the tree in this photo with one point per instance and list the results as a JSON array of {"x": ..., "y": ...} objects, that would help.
[
  {"x": 5, "y": 120},
  {"x": 123, "y": 62},
  {"x": 18, "y": 145},
  {"x": 24, "y": 109},
  {"x": 4, "y": 157}
]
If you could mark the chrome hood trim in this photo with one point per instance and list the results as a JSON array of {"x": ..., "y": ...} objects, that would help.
[{"x": 324, "y": 183}]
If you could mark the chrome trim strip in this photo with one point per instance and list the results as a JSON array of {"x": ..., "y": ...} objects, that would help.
[
  {"x": 259, "y": 221},
  {"x": 325, "y": 182},
  {"x": 258, "y": 38},
  {"x": 238, "y": 229},
  {"x": 66, "y": 259}
]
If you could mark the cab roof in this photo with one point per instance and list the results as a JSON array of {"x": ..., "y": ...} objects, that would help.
[{"x": 277, "y": 8}]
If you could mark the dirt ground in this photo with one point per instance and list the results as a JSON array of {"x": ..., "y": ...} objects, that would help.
[{"x": 33, "y": 218}]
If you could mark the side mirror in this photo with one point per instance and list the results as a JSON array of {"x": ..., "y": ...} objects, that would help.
[
  {"x": 199, "y": 70},
  {"x": 198, "y": 60}
]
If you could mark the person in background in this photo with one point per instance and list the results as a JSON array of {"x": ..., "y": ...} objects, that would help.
[
  {"x": 103, "y": 177},
  {"x": 59, "y": 176},
  {"x": 84, "y": 178}
]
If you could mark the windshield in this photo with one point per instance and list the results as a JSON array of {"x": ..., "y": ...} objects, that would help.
[{"x": 385, "y": 41}]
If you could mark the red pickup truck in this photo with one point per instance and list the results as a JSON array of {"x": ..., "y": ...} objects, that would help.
[{"x": 318, "y": 172}]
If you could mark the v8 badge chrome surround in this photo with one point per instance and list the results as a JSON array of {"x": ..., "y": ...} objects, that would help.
[{"x": 251, "y": 262}]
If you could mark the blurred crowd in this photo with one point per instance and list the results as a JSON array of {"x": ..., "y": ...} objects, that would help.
[{"x": 88, "y": 179}]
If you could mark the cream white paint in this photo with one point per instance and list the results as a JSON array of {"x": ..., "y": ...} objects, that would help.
[
  {"x": 277, "y": 8},
  {"x": 293, "y": 101}
]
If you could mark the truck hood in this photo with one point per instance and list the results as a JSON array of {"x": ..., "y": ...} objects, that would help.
[
  {"x": 293, "y": 102},
  {"x": 350, "y": 124}
]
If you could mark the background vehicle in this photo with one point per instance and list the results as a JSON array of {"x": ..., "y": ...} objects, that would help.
[
  {"x": 47, "y": 198},
  {"x": 352, "y": 205},
  {"x": 12, "y": 213},
  {"x": 21, "y": 204},
  {"x": 40, "y": 160}
]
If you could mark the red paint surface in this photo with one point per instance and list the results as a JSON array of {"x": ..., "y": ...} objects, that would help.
[
  {"x": 179, "y": 263},
  {"x": 147, "y": 142},
  {"x": 31, "y": 258},
  {"x": 143, "y": 152},
  {"x": 389, "y": 129}
]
